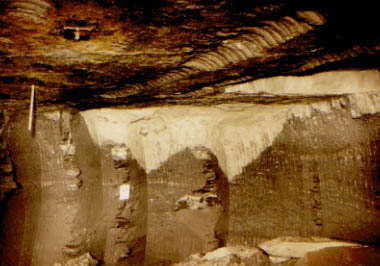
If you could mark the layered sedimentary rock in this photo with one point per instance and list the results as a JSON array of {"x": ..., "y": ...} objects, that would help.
[{"x": 321, "y": 84}]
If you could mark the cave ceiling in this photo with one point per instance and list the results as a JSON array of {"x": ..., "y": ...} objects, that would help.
[{"x": 88, "y": 54}]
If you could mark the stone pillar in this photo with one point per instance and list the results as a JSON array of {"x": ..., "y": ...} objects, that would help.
[
  {"x": 124, "y": 207},
  {"x": 21, "y": 212}
]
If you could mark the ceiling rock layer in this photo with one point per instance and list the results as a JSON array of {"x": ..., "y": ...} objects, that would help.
[{"x": 90, "y": 54}]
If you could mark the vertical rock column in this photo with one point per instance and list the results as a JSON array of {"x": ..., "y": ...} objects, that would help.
[
  {"x": 39, "y": 217},
  {"x": 21, "y": 212},
  {"x": 61, "y": 189},
  {"x": 124, "y": 206},
  {"x": 87, "y": 233}
]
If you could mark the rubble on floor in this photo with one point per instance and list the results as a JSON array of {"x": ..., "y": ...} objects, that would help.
[
  {"x": 290, "y": 251},
  {"x": 83, "y": 260},
  {"x": 228, "y": 256}
]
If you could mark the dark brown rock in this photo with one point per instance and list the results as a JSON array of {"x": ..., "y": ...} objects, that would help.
[{"x": 335, "y": 256}]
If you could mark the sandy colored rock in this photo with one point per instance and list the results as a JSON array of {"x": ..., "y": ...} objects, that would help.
[
  {"x": 226, "y": 256},
  {"x": 83, "y": 260},
  {"x": 235, "y": 133},
  {"x": 325, "y": 83},
  {"x": 296, "y": 247}
]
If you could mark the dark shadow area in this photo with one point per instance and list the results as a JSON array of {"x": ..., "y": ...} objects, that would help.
[{"x": 88, "y": 230}]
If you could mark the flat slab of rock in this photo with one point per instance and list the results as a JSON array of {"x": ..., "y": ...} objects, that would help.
[
  {"x": 337, "y": 256},
  {"x": 298, "y": 247}
]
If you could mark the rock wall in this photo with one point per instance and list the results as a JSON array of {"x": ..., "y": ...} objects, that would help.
[
  {"x": 22, "y": 211},
  {"x": 41, "y": 217},
  {"x": 320, "y": 177}
]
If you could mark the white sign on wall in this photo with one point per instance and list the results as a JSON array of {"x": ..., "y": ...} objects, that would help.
[{"x": 125, "y": 191}]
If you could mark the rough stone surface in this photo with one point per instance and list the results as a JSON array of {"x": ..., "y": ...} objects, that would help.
[
  {"x": 318, "y": 178},
  {"x": 297, "y": 247},
  {"x": 243, "y": 255},
  {"x": 101, "y": 53},
  {"x": 82, "y": 260}
]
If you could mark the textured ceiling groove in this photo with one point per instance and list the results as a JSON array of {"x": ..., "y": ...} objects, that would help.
[
  {"x": 267, "y": 37},
  {"x": 233, "y": 51},
  {"x": 91, "y": 53},
  {"x": 30, "y": 11}
]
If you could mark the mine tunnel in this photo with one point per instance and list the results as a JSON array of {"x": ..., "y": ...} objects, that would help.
[{"x": 187, "y": 133}]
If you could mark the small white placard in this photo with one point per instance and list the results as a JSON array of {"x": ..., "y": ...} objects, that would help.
[{"x": 125, "y": 191}]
